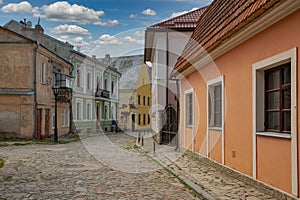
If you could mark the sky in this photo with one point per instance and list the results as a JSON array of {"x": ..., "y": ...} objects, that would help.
[{"x": 97, "y": 27}]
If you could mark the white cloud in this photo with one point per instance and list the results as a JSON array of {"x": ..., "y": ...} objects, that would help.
[
  {"x": 149, "y": 12},
  {"x": 22, "y": 7},
  {"x": 108, "y": 39},
  {"x": 139, "y": 33},
  {"x": 132, "y": 40},
  {"x": 64, "y": 11},
  {"x": 107, "y": 23},
  {"x": 132, "y": 16},
  {"x": 70, "y": 29},
  {"x": 175, "y": 14}
]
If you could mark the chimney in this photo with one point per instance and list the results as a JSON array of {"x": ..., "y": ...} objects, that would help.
[
  {"x": 38, "y": 28},
  {"x": 107, "y": 58}
]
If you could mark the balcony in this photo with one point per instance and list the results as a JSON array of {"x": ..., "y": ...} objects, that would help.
[
  {"x": 102, "y": 93},
  {"x": 63, "y": 83}
]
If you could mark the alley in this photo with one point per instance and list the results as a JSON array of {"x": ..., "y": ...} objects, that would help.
[{"x": 99, "y": 167}]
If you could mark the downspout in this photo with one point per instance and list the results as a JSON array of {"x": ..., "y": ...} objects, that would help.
[
  {"x": 178, "y": 114},
  {"x": 167, "y": 80},
  {"x": 34, "y": 89}
]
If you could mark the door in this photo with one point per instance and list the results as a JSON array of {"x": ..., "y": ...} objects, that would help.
[
  {"x": 47, "y": 122},
  {"x": 133, "y": 122},
  {"x": 170, "y": 128},
  {"x": 39, "y": 124}
]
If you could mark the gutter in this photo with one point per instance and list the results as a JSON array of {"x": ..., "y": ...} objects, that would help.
[{"x": 34, "y": 89}]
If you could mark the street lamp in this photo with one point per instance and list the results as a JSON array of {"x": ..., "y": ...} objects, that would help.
[{"x": 55, "y": 91}]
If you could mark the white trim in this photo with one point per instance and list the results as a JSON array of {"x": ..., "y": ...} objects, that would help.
[
  {"x": 188, "y": 91},
  {"x": 80, "y": 101},
  {"x": 209, "y": 84},
  {"x": 287, "y": 56},
  {"x": 279, "y": 135}
]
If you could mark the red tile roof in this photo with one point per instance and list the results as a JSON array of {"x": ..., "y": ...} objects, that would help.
[
  {"x": 187, "y": 20},
  {"x": 222, "y": 19}
]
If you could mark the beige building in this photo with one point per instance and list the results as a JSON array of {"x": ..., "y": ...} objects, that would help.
[
  {"x": 143, "y": 99},
  {"x": 28, "y": 71}
]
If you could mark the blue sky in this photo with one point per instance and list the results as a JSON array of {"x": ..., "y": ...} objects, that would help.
[{"x": 97, "y": 27}]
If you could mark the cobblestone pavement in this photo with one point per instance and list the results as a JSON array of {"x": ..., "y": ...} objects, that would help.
[
  {"x": 101, "y": 167},
  {"x": 207, "y": 180}
]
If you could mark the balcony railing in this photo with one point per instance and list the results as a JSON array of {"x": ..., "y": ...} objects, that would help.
[
  {"x": 102, "y": 93},
  {"x": 63, "y": 83}
]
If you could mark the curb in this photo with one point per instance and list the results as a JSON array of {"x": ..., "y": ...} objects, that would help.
[{"x": 200, "y": 192}]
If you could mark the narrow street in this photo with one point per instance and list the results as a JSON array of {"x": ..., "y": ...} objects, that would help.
[{"x": 100, "y": 167}]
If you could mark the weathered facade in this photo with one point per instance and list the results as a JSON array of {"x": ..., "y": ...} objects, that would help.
[
  {"x": 240, "y": 87},
  {"x": 28, "y": 72}
]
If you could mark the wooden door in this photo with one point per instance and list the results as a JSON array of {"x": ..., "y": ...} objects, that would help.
[
  {"x": 39, "y": 124},
  {"x": 47, "y": 122}
]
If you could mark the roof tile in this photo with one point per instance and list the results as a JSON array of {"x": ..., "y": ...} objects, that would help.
[{"x": 220, "y": 21}]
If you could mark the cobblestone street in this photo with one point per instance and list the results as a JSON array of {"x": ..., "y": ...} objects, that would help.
[{"x": 101, "y": 167}]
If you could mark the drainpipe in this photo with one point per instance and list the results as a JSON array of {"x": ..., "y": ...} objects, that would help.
[{"x": 34, "y": 136}]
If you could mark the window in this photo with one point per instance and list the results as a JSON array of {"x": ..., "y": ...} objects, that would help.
[
  {"x": 139, "y": 99},
  {"x": 88, "y": 81},
  {"x": 144, "y": 100},
  {"x": 78, "y": 78},
  {"x": 144, "y": 119},
  {"x": 63, "y": 117},
  {"x": 43, "y": 73},
  {"x": 278, "y": 99},
  {"x": 139, "y": 119},
  {"x": 274, "y": 93},
  {"x": 98, "y": 83},
  {"x": 189, "y": 108},
  {"x": 88, "y": 111},
  {"x": 67, "y": 117},
  {"x": 148, "y": 118},
  {"x": 215, "y": 105},
  {"x": 106, "y": 112},
  {"x": 105, "y": 84},
  {"x": 78, "y": 111},
  {"x": 112, "y": 87}
]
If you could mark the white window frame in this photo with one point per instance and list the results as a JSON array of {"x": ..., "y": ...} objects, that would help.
[
  {"x": 189, "y": 92},
  {"x": 43, "y": 73},
  {"x": 258, "y": 105},
  {"x": 80, "y": 103},
  {"x": 63, "y": 117},
  {"x": 88, "y": 81},
  {"x": 89, "y": 109},
  {"x": 67, "y": 117},
  {"x": 190, "y": 126},
  {"x": 211, "y": 84}
]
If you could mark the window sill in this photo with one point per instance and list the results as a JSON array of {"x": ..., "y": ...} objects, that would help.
[
  {"x": 215, "y": 128},
  {"x": 189, "y": 126},
  {"x": 278, "y": 135}
]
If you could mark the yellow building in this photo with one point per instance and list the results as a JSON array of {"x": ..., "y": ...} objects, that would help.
[{"x": 143, "y": 99}]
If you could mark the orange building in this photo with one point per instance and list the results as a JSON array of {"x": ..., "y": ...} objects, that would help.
[{"x": 240, "y": 89}]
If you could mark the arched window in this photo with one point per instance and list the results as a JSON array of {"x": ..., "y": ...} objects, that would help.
[{"x": 78, "y": 78}]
